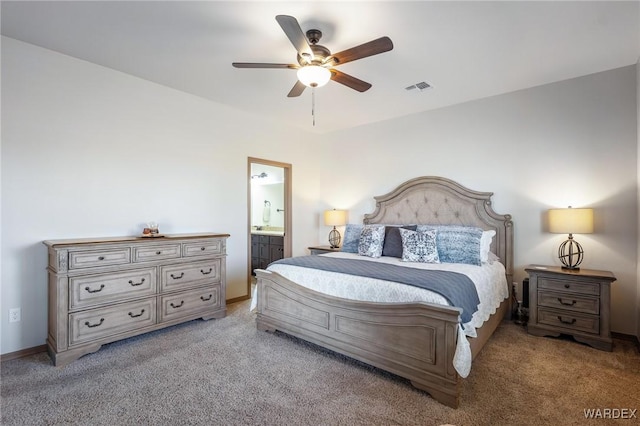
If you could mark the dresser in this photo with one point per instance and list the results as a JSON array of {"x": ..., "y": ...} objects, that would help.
[
  {"x": 572, "y": 302},
  {"x": 106, "y": 289}
]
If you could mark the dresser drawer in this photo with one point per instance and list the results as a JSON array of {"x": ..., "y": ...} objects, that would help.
[
  {"x": 97, "y": 258},
  {"x": 92, "y": 290},
  {"x": 145, "y": 254},
  {"x": 95, "y": 324},
  {"x": 569, "y": 286},
  {"x": 189, "y": 303},
  {"x": 203, "y": 248},
  {"x": 569, "y": 302},
  {"x": 177, "y": 277},
  {"x": 569, "y": 320}
]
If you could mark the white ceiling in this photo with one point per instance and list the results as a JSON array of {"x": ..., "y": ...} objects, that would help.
[{"x": 466, "y": 50}]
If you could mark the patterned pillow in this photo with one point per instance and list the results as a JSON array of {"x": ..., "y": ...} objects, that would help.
[
  {"x": 351, "y": 238},
  {"x": 371, "y": 241},
  {"x": 392, "y": 240},
  {"x": 457, "y": 244},
  {"x": 419, "y": 246}
]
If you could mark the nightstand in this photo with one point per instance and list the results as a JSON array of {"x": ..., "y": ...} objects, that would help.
[
  {"x": 572, "y": 302},
  {"x": 322, "y": 250}
]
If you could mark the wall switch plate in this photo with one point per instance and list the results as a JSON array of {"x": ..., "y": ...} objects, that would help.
[{"x": 14, "y": 315}]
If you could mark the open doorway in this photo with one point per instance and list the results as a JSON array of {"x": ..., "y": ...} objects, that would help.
[{"x": 269, "y": 213}]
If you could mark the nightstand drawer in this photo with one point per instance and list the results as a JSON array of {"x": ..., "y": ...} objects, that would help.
[
  {"x": 569, "y": 302},
  {"x": 569, "y": 320},
  {"x": 566, "y": 286}
]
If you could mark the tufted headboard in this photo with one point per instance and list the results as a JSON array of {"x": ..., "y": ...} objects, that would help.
[{"x": 432, "y": 200}]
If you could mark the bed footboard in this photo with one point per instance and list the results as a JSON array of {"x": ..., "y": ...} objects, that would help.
[{"x": 416, "y": 341}]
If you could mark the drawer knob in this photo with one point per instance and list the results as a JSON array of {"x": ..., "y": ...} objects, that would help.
[
  {"x": 177, "y": 306},
  {"x": 101, "y": 258},
  {"x": 94, "y": 325},
  {"x": 206, "y": 273},
  {"x": 202, "y": 248},
  {"x": 177, "y": 277},
  {"x": 573, "y": 320},
  {"x": 158, "y": 252},
  {"x": 136, "y": 284},
  {"x": 136, "y": 316},
  {"x": 207, "y": 299},
  {"x": 94, "y": 291},
  {"x": 567, "y": 286},
  {"x": 573, "y": 302}
]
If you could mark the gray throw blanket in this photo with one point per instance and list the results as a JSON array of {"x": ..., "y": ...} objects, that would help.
[{"x": 456, "y": 288}]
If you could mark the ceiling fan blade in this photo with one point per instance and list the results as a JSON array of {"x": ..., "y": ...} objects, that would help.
[
  {"x": 292, "y": 29},
  {"x": 374, "y": 47},
  {"x": 262, "y": 65},
  {"x": 297, "y": 90},
  {"x": 349, "y": 81}
]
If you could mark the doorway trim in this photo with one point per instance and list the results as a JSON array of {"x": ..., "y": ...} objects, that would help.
[{"x": 287, "y": 210}]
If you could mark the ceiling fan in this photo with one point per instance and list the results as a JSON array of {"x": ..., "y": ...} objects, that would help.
[{"x": 316, "y": 65}]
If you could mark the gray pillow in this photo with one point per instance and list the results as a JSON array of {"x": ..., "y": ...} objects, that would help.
[{"x": 393, "y": 241}]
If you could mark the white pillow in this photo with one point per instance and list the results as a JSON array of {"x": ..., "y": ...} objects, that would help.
[{"x": 485, "y": 245}]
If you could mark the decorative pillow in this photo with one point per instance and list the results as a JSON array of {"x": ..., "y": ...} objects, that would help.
[
  {"x": 371, "y": 241},
  {"x": 457, "y": 244},
  {"x": 485, "y": 245},
  {"x": 351, "y": 238},
  {"x": 492, "y": 257},
  {"x": 419, "y": 246},
  {"x": 392, "y": 240}
]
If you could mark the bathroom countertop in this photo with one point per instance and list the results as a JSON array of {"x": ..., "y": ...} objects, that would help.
[{"x": 275, "y": 231}]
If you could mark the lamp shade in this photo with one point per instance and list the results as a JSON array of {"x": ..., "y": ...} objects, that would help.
[
  {"x": 314, "y": 75},
  {"x": 571, "y": 221},
  {"x": 335, "y": 217}
]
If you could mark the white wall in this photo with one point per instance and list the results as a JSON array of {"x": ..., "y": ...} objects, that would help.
[
  {"x": 90, "y": 152},
  {"x": 570, "y": 143},
  {"x": 87, "y": 151}
]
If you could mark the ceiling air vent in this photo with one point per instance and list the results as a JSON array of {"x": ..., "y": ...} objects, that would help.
[{"x": 423, "y": 85}]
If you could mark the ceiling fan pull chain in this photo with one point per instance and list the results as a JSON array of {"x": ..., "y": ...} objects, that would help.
[{"x": 313, "y": 105}]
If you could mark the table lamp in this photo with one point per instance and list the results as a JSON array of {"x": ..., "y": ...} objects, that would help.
[
  {"x": 335, "y": 218},
  {"x": 570, "y": 221}
]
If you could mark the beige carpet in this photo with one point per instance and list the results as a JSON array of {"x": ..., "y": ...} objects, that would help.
[{"x": 225, "y": 372}]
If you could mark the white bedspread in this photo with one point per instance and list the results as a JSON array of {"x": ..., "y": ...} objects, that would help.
[{"x": 489, "y": 279}]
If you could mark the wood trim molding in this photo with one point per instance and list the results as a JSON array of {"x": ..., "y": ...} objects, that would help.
[{"x": 23, "y": 353}]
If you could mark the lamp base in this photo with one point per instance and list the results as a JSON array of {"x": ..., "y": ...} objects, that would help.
[
  {"x": 334, "y": 238},
  {"x": 570, "y": 254}
]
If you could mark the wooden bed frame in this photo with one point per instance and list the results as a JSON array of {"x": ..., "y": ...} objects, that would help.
[{"x": 416, "y": 341}]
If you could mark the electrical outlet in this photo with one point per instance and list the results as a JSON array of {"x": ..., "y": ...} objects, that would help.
[{"x": 14, "y": 315}]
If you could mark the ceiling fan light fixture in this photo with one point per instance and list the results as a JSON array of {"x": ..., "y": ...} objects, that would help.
[{"x": 314, "y": 75}]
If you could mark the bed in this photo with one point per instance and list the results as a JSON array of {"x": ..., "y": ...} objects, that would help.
[{"x": 417, "y": 340}]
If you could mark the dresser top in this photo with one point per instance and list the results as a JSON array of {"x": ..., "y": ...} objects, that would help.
[
  {"x": 594, "y": 273},
  {"x": 164, "y": 237}
]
